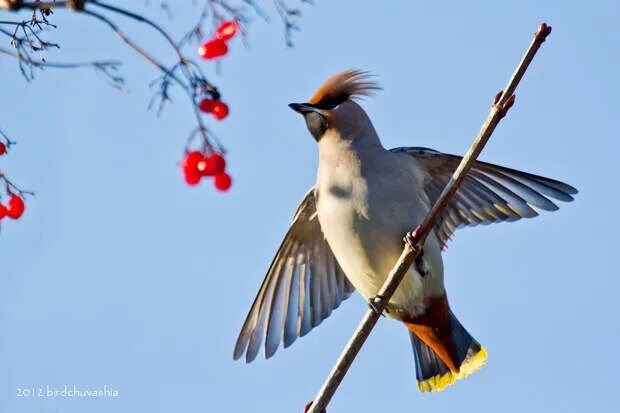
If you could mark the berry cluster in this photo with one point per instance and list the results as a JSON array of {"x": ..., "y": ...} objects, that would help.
[
  {"x": 14, "y": 209},
  {"x": 197, "y": 165},
  {"x": 215, "y": 107},
  {"x": 217, "y": 47}
]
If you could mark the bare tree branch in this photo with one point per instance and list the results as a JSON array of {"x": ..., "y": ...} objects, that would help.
[
  {"x": 107, "y": 67},
  {"x": 26, "y": 38},
  {"x": 8, "y": 187},
  {"x": 185, "y": 73}
]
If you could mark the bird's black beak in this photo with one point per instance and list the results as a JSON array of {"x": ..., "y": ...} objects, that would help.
[
  {"x": 301, "y": 108},
  {"x": 315, "y": 120}
]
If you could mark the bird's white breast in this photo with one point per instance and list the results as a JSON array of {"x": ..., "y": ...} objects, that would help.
[{"x": 365, "y": 206}]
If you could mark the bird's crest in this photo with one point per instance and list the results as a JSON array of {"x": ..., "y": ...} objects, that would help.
[{"x": 342, "y": 86}]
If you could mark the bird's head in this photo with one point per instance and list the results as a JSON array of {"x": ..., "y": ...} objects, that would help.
[{"x": 333, "y": 112}]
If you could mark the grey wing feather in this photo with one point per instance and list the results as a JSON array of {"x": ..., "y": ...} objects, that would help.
[
  {"x": 303, "y": 285},
  {"x": 489, "y": 193}
]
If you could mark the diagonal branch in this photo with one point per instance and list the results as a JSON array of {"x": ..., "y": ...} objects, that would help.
[{"x": 503, "y": 102}]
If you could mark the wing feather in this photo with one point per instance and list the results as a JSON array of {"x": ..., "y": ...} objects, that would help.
[
  {"x": 303, "y": 285},
  {"x": 277, "y": 311},
  {"x": 488, "y": 194},
  {"x": 292, "y": 309},
  {"x": 305, "y": 312}
]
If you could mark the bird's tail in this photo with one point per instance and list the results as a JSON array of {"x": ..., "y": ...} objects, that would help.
[{"x": 446, "y": 358}]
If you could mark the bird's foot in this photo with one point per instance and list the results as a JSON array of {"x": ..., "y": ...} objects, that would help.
[
  {"x": 410, "y": 239},
  {"x": 372, "y": 305}
]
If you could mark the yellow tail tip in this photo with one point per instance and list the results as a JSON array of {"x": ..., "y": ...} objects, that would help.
[{"x": 469, "y": 366}]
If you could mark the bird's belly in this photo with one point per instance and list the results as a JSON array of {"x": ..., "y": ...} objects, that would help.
[{"x": 368, "y": 245}]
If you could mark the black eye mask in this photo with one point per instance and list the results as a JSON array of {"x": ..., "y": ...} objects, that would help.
[
  {"x": 331, "y": 103},
  {"x": 317, "y": 124}
]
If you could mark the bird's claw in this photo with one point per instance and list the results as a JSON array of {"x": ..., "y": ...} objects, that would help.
[
  {"x": 373, "y": 307},
  {"x": 410, "y": 239}
]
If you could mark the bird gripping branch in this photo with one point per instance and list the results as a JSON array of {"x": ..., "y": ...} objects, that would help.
[{"x": 502, "y": 103}]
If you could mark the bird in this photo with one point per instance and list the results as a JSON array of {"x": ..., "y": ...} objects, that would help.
[{"x": 347, "y": 234}]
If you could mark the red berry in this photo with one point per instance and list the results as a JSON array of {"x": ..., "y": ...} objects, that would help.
[
  {"x": 15, "y": 208},
  {"x": 217, "y": 108},
  {"x": 213, "y": 49},
  {"x": 220, "y": 110},
  {"x": 215, "y": 164},
  {"x": 201, "y": 168},
  {"x": 227, "y": 30},
  {"x": 191, "y": 177},
  {"x": 3, "y": 212},
  {"x": 2, "y": 148},
  {"x": 206, "y": 105},
  {"x": 222, "y": 182},
  {"x": 191, "y": 160},
  {"x": 193, "y": 164}
]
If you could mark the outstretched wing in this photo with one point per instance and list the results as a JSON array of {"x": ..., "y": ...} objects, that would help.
[
  {"x": 489, "y": 193},
  {"x": 303, "y": 285}
]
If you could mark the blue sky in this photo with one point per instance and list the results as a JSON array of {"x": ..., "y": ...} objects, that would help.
[{"x": 121, "y": 275}]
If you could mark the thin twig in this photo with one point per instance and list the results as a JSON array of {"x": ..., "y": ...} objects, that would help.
[
  {"x": 190, "y": 89},
  {"x": 498, "y": 110},
  {"x": 7, "y": 187},
  {"x": 185, "y": 72},
  {"x": 141, "y": 19},
  {"x": 105, "y": 66},
  {"x": 10, "y": 188},
  {"x": 32, "y": 5}
]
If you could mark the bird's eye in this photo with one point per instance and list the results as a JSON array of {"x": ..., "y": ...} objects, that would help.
[{"x": 317, "y": 124}]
